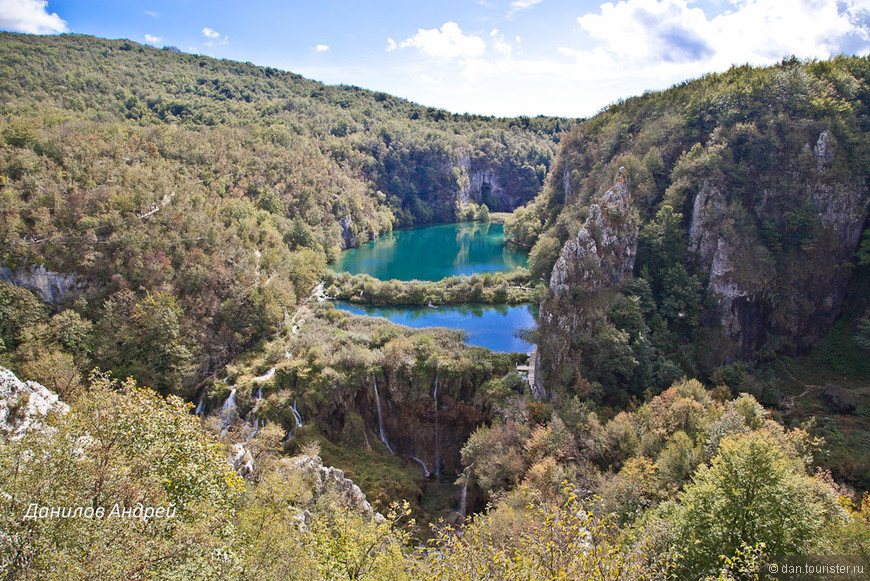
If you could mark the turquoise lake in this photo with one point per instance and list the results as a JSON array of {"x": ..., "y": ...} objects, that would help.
[
  {"x": 490, "y": 326},
  {"x": 436, "y": 252},
  {"x": 433, "y": 253}
]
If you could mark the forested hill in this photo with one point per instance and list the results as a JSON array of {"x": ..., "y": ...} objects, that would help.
[
  {"x": 210, "y": 194},
  {"x": 714, "y": 221}
]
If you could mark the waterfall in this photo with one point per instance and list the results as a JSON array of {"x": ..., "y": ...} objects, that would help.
[
  {"x": 380, "y": 416},
  {"x": 228, "y": 412},
  {"x": 199, "y": 407},
  {"x": 296, "y": 415},
  {"x": 266, "y": 376},
  {"x": 463, "y": 499},
  {"x": 463, "y": 496},
  {"x": 252, "y": 420},
  {"x": 437, "y": 430},
  {"x": 256, "y": 429},
  {"x": 423, "y": 464}
]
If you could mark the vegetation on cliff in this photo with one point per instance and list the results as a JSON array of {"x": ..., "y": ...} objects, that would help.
[
  {"x": 750, "y": 192},
  {"x": 124, "y": 448},
  {"x": 197, "y": 201}
]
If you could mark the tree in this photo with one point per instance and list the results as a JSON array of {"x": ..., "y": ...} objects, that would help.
[
  {"x": 751, "y": 493},
  {"x": 120, "y": 448},
  {"x": 19, "y": 310},
  {"x": 543, "y": 257},
  {"x": 543, "y": 540},
  {"x": 482, "y": 214}
]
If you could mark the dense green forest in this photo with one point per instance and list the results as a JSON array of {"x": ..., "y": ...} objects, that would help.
[
  {"x": 199, "y": 200},
  {"x": 173, "y": 216},
  {"x": 747, "y": 197}
]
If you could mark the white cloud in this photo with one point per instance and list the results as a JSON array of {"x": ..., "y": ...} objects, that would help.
[
  {"x": 321, "y": 48},
  {"x": 445, "y": 44},
  {"x": 520, "y": 5},
  {"x": 650, "y": 30},
  {"x": 152, "y": 39},
  {"x": 30, "y": 16},
  {"x": 152, "y": 14},
  {"x": 755, "y": 31},
  {"x": 618, "y": 50},
  {"x": 500, "y": 45},
  {"x": 214, "y": 35}
]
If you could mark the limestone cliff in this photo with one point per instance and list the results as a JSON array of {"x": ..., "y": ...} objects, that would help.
[
  {"x": 603, "y": 252},
  {"x": 750, "y": 190},
  {"x": 481, "y": 181},
  {"x": 23, "y": 405},
  {"x": 787, "y": 298},
  {"x": 52, "y": 287},
  {"x": 324, "y": 480}
]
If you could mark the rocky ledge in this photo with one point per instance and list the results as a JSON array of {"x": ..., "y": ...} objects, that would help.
[{"x": 23, "y": 405}]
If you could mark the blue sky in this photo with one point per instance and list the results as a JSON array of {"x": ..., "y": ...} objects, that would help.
[{"x": 500, "y": 57}]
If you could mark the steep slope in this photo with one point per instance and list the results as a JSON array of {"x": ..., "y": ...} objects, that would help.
[
  {"x": 183, "y": 205},
  {"x": 751, "y": 192}
]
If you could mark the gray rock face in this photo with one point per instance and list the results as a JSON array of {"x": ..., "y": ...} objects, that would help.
[
  {"x": 329, "y": 480},
  {"x": 793, "y": 297},
  {"x": 348, "y": 238},
  {"x": 242, "y": 460},
  {"x": 604, "y": 250},
  {"x": 839, "y": 399},
  {"x": 23, "y": 406},
  {"x": 482, "y": 185},
  {"x": 52, "y": 287}
]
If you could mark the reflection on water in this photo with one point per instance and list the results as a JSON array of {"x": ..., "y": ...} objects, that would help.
[
  {"x": 433, "y": 253},
  {"x": 491, "y": 326}
]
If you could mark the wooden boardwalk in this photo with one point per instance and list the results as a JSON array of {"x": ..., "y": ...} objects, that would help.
[{"x": 532, "y": 375}]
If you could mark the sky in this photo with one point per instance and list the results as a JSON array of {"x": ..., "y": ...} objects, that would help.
[{"x": 495, "y": 57}]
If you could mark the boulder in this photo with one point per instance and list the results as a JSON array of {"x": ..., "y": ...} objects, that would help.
[{"x": 839, "y": 399}]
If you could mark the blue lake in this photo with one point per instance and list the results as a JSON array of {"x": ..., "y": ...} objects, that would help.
[
  {"x": 433, "y": 253},
  {"x": 437, "y": 252},
  {"x": 490, "y": 326}
]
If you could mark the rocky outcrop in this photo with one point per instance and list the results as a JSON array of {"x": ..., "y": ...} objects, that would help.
[
  {"x": 604, "y": 250},
  {"x": 482, "y": 185},
  {"x": 325, "y": 480},
  {"x": 242, "y": 460},
  {"x": 789, "y": 295},
  {"x": 24, "y": 405},
  {"x": 52, "y": 287},
  {"x": 348, "y": 236},
  {"x": 839, "y": 399}
]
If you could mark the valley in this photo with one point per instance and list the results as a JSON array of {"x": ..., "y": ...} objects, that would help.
[{"x": 303, "y": 315}]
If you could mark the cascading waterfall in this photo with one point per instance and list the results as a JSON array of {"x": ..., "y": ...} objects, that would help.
[
  {"x": 255, "y": 424},
  {"x": 437, "y": 430},
  {"x": 199, "y": 406},
  {"x": 423, "y": 464},
  {"x": 228, "y": 412},
  {"x": 296, "y": 415},
  {"x": 266, "y": 376},
  {"x": 463, "y": 496},
  {"x": 380, "y": 416},
  {"x": 463, "y": 499}
]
